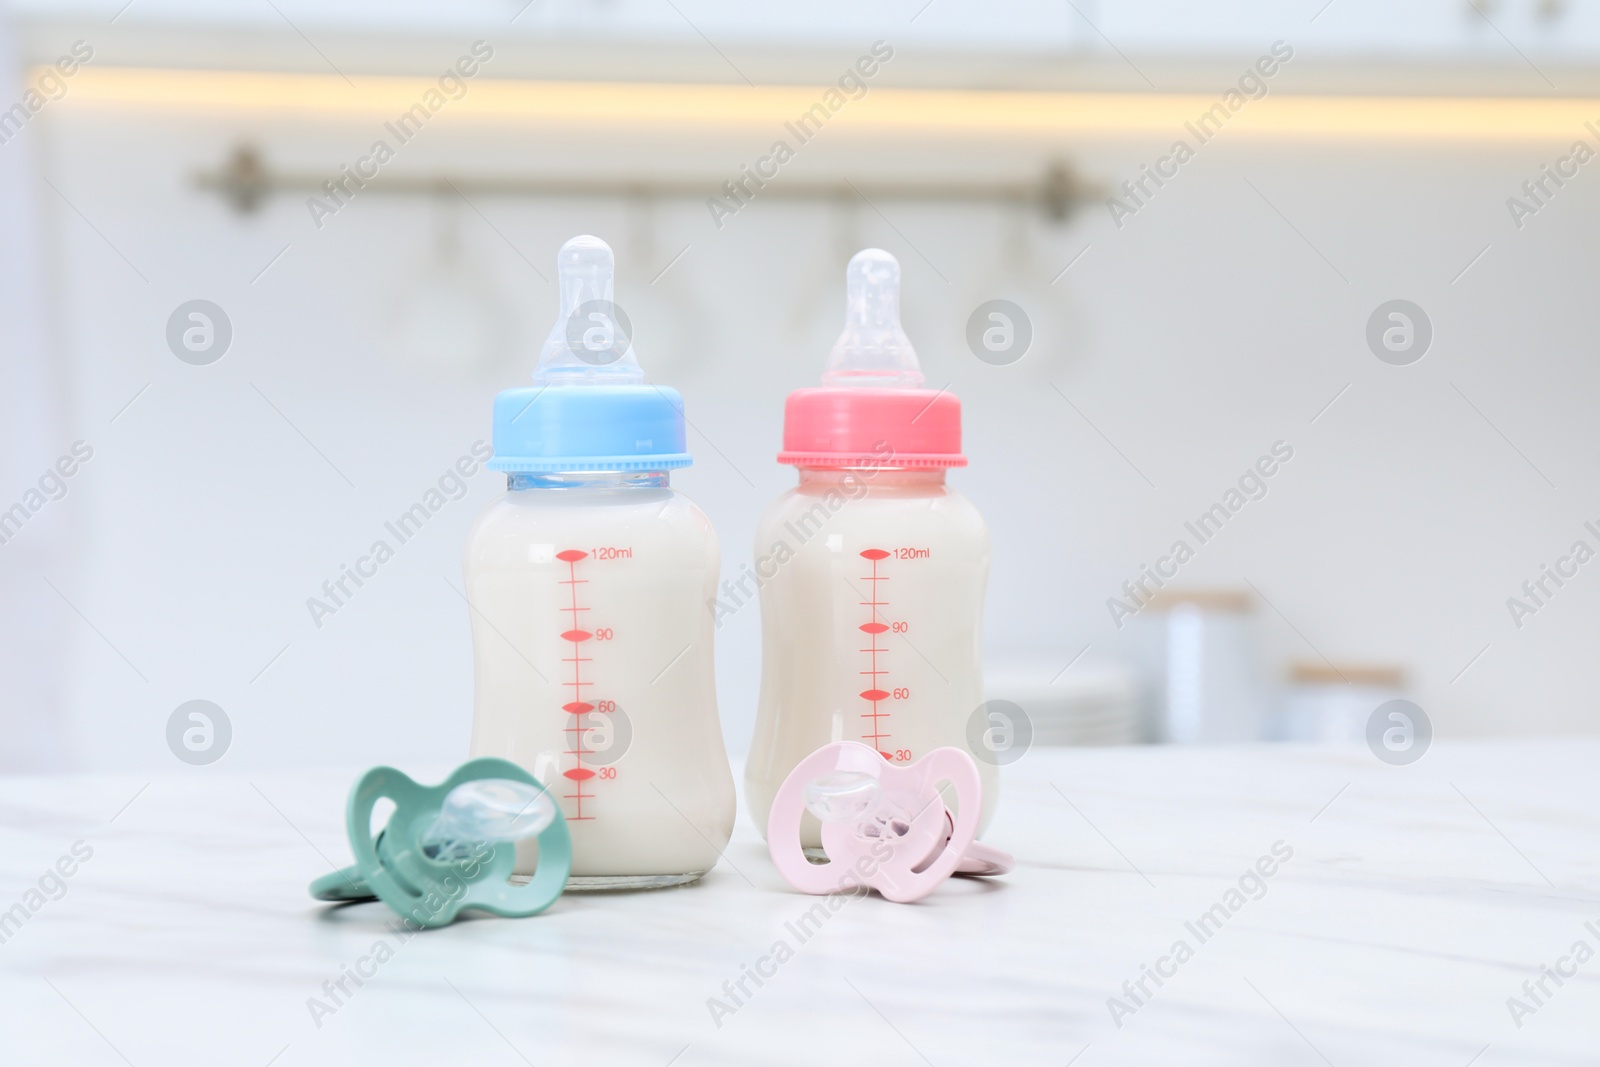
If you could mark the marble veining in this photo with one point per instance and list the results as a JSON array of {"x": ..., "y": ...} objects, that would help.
[{"x": 1412, "y": 906}]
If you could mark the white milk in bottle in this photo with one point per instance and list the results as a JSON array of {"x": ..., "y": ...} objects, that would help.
[
  {"x": 589, "y": 584},
  {"x": 872, "y": 569}
]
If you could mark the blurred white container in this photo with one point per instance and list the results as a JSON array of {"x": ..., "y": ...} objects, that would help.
[
  {"x": 1197, "y": 656},
  {"x": 1330, "y": 704}
]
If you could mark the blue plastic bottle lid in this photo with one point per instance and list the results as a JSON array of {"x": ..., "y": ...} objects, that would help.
[{"x": 589, "y": 408}]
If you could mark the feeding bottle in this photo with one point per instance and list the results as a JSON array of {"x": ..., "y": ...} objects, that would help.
[
  {"x": 872, "y": 569},
  {"x": 589, "y": 584}
]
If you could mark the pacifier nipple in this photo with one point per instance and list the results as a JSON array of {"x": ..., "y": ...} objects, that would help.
[
  {"x": 488, "y": 810},
  {"x": 844, "y": 796},
  {"x": 856, "y": 797},
  {"x": 872, "y": 350},
  {"x": 591, "y": 342}
]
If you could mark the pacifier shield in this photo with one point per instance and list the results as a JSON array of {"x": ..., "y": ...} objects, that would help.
[
  {"x": 429, "y": 885},
  {"x": 903, "y": 846}
]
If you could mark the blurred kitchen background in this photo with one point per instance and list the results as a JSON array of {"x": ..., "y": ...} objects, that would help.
[{"x": 1227, "y": 315}]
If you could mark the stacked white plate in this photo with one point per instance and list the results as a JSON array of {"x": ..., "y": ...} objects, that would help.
[{"x": 1086, "y": 704}]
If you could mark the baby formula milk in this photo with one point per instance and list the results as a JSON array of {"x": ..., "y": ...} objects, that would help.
[
  {"x": 872, "y": 568},
  {"x": 589, "y": 584}
]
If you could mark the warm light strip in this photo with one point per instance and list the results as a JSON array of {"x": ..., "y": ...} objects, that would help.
[{"x": 958, "y": 113}]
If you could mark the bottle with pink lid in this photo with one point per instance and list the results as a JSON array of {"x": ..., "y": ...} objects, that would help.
[{"x": 872, "y": 568}]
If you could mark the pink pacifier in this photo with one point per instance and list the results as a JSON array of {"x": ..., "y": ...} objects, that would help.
[{"x": 883, "y": 827}]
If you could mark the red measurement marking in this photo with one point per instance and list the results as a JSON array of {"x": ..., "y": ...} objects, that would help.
[
  {"x": 886, "y": 756},
  {"x": 873, "y": 628},
  {"x": 577, "y": 706}
]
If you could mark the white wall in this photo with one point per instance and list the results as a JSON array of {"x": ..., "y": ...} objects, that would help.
[{"x": 1193, "y": 338}]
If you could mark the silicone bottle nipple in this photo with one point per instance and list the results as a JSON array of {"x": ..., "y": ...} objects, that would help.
[
  {"x": 872, "y": 350},
  {"x": 591, "y": 342}
]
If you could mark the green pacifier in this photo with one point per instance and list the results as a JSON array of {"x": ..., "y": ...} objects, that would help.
[{"x": 452, "y": 846}]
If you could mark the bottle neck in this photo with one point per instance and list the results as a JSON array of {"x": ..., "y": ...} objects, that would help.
[
  {"x": 519, "y": 480},
  {"x": 887, "y": 477}
]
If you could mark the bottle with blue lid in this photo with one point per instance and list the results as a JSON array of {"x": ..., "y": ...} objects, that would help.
[{"x": 590, "y": 584}]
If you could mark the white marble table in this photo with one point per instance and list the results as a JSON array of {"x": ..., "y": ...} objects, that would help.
[{"x": 1416, "y": 902}]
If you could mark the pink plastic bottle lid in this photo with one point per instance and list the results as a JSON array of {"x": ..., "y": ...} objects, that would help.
[
  {"x": 864, "y": 427},
  {"x": 870, "y": 411}
]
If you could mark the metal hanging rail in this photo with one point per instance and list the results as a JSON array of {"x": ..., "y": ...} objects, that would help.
[{"x": 245, "y": 181}]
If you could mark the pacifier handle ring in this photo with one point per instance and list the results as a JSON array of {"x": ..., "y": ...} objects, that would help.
[
  {"x": 979, "y": 859},
  {"x": 982, "y": 859},
  {"x": 343, "y": 886}
]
